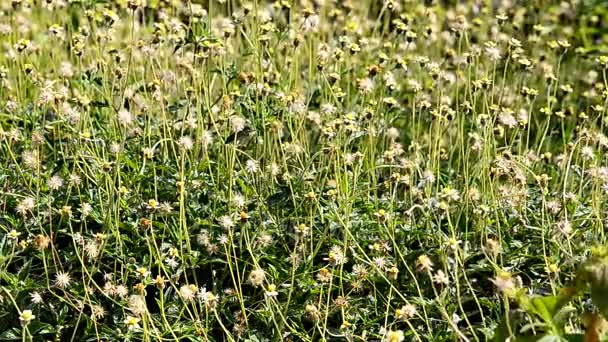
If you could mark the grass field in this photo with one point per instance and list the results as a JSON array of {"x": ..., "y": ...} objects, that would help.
[{"x": 310, "y": 170}]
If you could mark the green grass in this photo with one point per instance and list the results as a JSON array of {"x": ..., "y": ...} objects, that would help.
[{"x": 357, "y": 170}]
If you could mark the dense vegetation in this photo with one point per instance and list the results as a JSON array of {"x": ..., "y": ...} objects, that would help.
[{"x": 303, "y": 170}]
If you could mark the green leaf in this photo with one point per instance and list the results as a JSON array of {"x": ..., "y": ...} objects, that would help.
[
  {"x": 502, "y": 332},
  {"x": 544, "y": 307},
  {"x": 547, "y": 307},
  {"x": 550, "y": 338},
  {"x": 575, "y": 338},
  {"x": 11, "y": 335}
]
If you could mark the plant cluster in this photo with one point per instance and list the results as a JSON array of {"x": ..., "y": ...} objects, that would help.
[{"x": 303, "y": 170}]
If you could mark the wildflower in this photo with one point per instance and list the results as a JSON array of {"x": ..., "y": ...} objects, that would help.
[
  {"x": 324, "y": 275},
  {"x": 171, "y": 262},
  {"x": 186, "y": 143},
  {"x": 406, "y": 312},
  {"x": 188, "y": 292},
  {"x": 380, "y": 262},
  {"x": 121, "y": 291},
  {"x": 312, "y": 312},
  {"x": 209, "y": 299},
  {"x": 565, "y": 227},
  {"x": 257, "y": 277},
  {"x": 552, "y": 269},
  {"x": 22, "y": 45},
  {"x": 41, "y": 242},
  {"x": 66, "y": 210},
  {"x": 159, "y": 281},
  {"x": 504, "y": 282},
  {"x": 147, "y": 152},
  {"x": 125, "y": 118},
  {"x": 26, "y": 205},
  {"x": 137, "y": 304},
  {"x": 132, "y": 322},
  {"x": 97, "y": 312},
  {"x": 394, "y": 336},
  {"x": 441, "y": 278},
  {"x": 392, "y": 272},
  {"x": 206, "y": 139},
  {"x": 85, "y": 209},
  {"x": 360, "y": 271},
  {"x": 492, "y": 51},
  {"x": 366, "y": 85},
  {"x": 55, "y": 182},
  {"x": 271, "y": 291},
  {"x": 336, "y": 256},
  {"x": 507, "y": 119},
  {"x": 142, "y": 272},
  {"x": 62, "y": 280},
  {"x": 91, "y": 249},
  {"x": 26, "y": 316},
  {"x": 152, "y": 204},
  {"x": 74, "y": 179},
  {"x": 13, "y": 234},
  {"x": 226, "y": 222},
  {"x": 380, "y": 215},
  {"x": 424, "y": 263},
  {"x": 31, "y": 159},
  {"x": 36, "y": 297},
  {"x": 252, "y": 166},
  {"x": 492, "y": 247},
  {"x": 302, "y": 229},
  {"x": 237, "y": 124}
]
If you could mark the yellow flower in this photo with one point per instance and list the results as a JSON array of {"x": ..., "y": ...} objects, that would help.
[
  {"x": 395, "y": 336},
  {"x": 26, "y": 316},
  {"x": 132, "y": 322}
]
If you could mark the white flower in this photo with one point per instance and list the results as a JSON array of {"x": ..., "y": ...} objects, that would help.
[
  {"x": 238, "y": 200},
  {"x": 311, "y": 23},
  {"x": 26, "y": 205},
  {"x": 237, "y": 123},
  {"x": 252, "y": 166},
  {"x": 125, "y": 117},
  {"x": 97, "y": 312},
  {"x": 366, "y": 85},
  {"x": 206, "y": 139},
  {"x": 226, "y": 222},
  {"x": 85, "y": 209},
  {"x": 55, "y": 182},
  {"x": 137, "y": 304},
  {"x": 142, "y": 272},
  {"x": 188, "y": 292},
  {"x": 26, "y": 316},
  {"x": 66, "y": 69},
  {"x": 407, "y": 311},
  {"x": 208, "y": 298},
  {"x": 256, "y": 277},
  {"x": 504, "y": 282},
  {"x": 507, "y": 119},
  {"x": 36, "y": 297},
  {"x": 336, "y": 256},
  {"x": 91, "y": 249},
  {"x": 171, "y": 262},
  {"x": 132, "y": 322},
  {"x": 394, "y": 336},
  {"x": 186, "y": 143},
  {"x": 62, "y": 279},
  {"x": 441, "y": 278},
  {"x": 271, "y": 291}
]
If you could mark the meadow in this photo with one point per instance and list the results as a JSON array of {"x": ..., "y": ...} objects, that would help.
[{"x": 303, "y": 170}]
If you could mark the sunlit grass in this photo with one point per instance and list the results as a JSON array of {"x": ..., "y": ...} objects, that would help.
[{"x": 297, "y": 170}]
